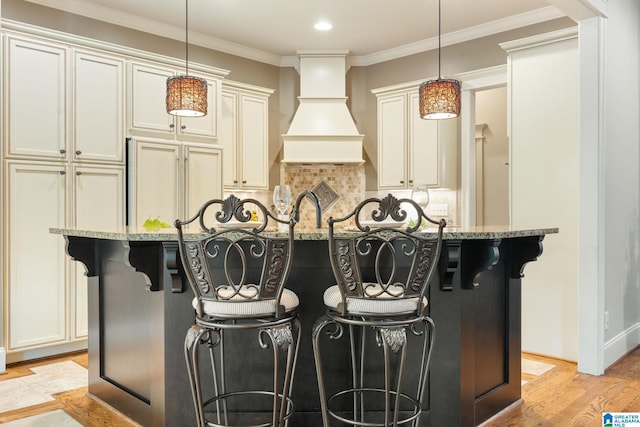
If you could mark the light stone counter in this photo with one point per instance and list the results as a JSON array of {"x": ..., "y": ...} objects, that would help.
[{"x": 169, "y": 234}]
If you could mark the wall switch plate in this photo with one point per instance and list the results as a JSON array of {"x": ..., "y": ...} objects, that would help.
[{"x": 438, "y": 209}]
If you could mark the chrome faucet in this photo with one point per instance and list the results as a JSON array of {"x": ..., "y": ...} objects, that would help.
[{"x": 295, "y": 213}]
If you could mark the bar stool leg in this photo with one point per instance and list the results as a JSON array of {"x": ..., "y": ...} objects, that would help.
[
  {"x": 193, "y": 337},
  {"x": 320, "y": 324}
]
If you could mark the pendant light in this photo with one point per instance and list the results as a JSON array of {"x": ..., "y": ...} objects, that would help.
[
  {"x": 186, "y": 95},
  {"x": 439, "y": 99}
]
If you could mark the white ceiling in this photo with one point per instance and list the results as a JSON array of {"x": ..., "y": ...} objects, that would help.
[{"x": 272, "y": 30}]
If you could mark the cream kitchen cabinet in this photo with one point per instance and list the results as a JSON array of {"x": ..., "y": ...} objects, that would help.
[
  {"x": 411, "y": 150},
  {"x": 44, "y": 292},
  {"x": 91, "y": 186},
  {"x": 40, "y": 121},
  {"x": 35, "y": 91},
  {"x": 244, "y": 135},
  {"x": 171, "y": 180},
  {"x": 98, "y": 107},
  {"x": 147, "y": 111}
]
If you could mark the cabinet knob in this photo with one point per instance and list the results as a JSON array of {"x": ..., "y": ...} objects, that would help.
[
  {"x": 235, "y": 181},
  {"x": 62, "y": 173},
  {"x": 402, "y": 182},
  {"x": 410, "y": 182},
  {"x": 244, "y": 181},
  {"x": 172, "y": 125},
  {"x": 78, "y": 152},
  {"x": 183, "y": 127},
  {"x": 62, "y": 151},
  {"x": 78, "y": 173}
]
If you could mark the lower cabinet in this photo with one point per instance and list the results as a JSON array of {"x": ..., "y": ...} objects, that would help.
[
  {"x": 169, "y": 180},
  {"x": 44, "y": 291}
]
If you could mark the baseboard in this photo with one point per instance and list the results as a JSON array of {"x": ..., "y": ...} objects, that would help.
[
  {"x": 39, "y": 353},
  {"x": 618, "y": 346},
  {"x": 3, "y": 360}
]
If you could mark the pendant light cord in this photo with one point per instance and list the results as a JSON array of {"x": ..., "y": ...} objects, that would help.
[
  {"x": 439, "y": 37},
  {"x": 186, "y": 36}
]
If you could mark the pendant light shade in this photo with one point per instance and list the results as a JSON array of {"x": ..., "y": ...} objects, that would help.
[
  {"x": 440, "y": 98},
  {"x": 186, "y": 95}
]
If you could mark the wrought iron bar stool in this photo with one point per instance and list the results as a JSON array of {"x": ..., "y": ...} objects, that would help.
[
  {"x": 238, "y": 274},
  {"x": 382, "y": 270}
]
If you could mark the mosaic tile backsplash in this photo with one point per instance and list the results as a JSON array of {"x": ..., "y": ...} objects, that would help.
[
  {"x": 347, "y": 182},
  {"x": 340, "y": 188}
]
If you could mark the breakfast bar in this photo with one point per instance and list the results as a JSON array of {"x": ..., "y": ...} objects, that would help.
[{"x": 140, "y": 309}]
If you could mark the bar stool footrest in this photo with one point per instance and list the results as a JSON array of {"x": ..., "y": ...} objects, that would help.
[{"x": 409, "y": 412}]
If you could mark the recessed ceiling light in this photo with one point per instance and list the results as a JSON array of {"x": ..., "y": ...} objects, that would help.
[{"x": 323, "y": 26}]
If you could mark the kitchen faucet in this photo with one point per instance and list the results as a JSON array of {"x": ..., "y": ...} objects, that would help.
[{"x": 295, "y": 214}]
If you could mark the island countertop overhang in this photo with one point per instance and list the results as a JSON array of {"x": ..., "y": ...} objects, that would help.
[{"x": 169, "y": 234}]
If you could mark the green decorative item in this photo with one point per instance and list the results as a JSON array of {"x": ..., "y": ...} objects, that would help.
[{"x": 154, "y": 224}]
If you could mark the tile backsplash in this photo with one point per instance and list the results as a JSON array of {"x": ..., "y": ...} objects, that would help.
[{"x": 340, "y": 188}]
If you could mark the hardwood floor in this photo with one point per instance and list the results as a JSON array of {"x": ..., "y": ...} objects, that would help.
[{"x": 560, "y": 397}]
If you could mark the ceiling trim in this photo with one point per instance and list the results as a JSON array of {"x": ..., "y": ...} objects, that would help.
[{"x": 105, "y": 14}]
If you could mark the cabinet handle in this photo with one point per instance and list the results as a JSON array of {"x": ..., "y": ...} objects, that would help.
[
  {"x": 235, "y": 181},
  {"x": 183, "y": 127},
  {"x": 62, "y": 173},
  {"x": 244, "y": 181},
  {"x": 410, "y": 182},
  {"x": 62, "y": 151},
  {"x": 172, "y": 125},
  {"x": 78, "y": 173},
  {"x": 402, "y": 182},
  {"x": 78, "y": 152}
]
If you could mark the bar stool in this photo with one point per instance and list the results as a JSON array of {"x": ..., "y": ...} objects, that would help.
[
  {"x": 238, "y": 274},
  {"x": 382, "y": 267}
]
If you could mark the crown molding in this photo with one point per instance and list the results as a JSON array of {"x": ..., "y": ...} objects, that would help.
[{"x": 105, "y": 14}]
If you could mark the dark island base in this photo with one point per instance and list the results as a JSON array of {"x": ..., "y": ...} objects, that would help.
[{"x": 139, "y": 312}]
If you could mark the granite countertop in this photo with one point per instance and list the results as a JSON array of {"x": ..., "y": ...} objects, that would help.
[{"x": 169, "y": 234}]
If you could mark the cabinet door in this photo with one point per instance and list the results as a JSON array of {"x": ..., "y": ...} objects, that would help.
[
  {"x": 34, "y": 259},
  {"x": 255, "y": 140},
  {"x": 392, "y": 142},
  {"x": 424, "y": 156},
  {"x": 156, "y": 180},
  {"x": 98, "y": 108},
  {"x": 229, "y": 138},
  {"x": 98, "y": 203},
  {"x": 35, "y": 99},
  {"x": 203, "y": 176},
  {"x": 206, "y": 126},
  {"x": 148, "y": 107}
]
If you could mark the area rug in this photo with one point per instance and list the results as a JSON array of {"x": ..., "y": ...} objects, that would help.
[
  {"x": 533, "y": 367},
  {"x": 46, "y": 380},
  {"x": 57, "y": 418}
]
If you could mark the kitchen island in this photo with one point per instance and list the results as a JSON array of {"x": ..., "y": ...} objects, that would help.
[{"x": 140, "y": 309}]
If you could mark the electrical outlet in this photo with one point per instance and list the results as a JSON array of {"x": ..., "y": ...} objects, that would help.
[
  {"x": 606, "y": 320},
  {"x": 438, "y": 209}
]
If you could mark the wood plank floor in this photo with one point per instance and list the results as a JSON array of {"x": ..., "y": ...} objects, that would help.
[{"x": 561, "y": 397}]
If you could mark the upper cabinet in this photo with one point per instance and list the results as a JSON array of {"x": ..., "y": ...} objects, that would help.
[
  {"x": 244, "y": 136},
  {"x": 35, "y": 120},
  {"x": 147, "y": 112},
  {"x": 98, "y": 105},
  {"x": 412, "y": 150},
  {"x": 62, "y": 103}
]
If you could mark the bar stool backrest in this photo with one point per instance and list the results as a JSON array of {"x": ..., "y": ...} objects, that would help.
[
  {"x": 382, "y": 250},
  {"x": 230, "y": 256}
]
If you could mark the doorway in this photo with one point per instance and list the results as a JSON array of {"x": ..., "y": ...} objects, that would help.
[{"x": 492, "y": 157}]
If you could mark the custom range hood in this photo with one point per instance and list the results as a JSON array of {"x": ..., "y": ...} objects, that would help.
[{"x": 322, "y": 129}]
